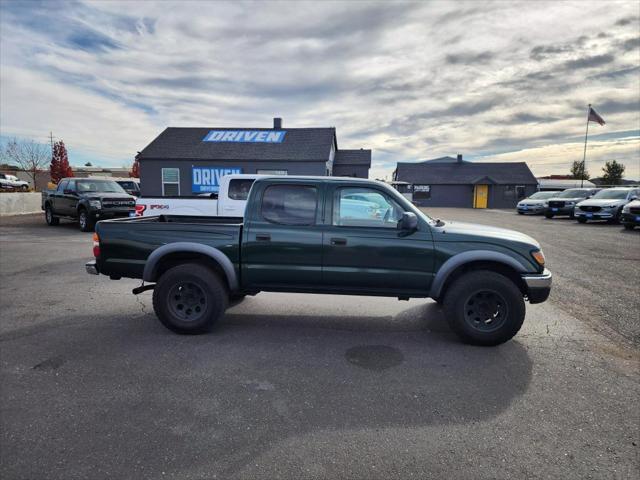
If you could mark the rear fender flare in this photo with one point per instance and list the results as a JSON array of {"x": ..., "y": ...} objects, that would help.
[
  {"x": 151, "y": 266},
  {"x": 463, "y": 258}
]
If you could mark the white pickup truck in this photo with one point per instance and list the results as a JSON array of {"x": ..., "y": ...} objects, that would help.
[{"x": 230, "y": 201}]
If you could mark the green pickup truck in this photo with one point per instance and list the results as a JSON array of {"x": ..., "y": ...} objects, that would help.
[{"x": 332, "y": 236}]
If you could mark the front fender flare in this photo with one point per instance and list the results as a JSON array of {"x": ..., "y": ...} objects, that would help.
[
  {"x": 150, "y": 267},
  {"x": 460, "y": 259}
]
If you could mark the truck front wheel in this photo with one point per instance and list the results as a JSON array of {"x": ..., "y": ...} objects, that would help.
[
  {"x": 189, "y": 299},
  {"x": 84, "y": 220},
  {"x": 484, "y": 308}
]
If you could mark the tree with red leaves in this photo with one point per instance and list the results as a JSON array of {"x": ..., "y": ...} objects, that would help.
[
  {"x": 135, "y": 169},
  {"x": 59, "y": 167}
]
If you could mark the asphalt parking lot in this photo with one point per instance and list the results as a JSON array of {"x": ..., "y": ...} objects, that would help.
[{"x": 302, "y": 386}]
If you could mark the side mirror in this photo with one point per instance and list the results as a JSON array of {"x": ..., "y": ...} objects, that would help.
[{"x": 409, "y": 221}]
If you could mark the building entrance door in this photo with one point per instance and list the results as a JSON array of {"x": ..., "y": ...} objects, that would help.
[{"x": 480, "y": 196}]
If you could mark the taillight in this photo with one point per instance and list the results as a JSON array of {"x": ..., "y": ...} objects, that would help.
[
  {"x": 140, "y": 209},
  {"x": 96, "y": 245}
]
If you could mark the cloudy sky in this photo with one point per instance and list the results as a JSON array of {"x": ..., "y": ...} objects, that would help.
[{"x": 503, "y": 81}]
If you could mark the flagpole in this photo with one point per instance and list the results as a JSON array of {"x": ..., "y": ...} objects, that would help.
[{"x": 584, "y": 155}]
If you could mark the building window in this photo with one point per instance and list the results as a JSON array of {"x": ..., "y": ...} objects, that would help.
[
  {"x": 170, "y": 182},
  {"x": 421, "y": 192},
  {"x": 520, "y": 192},
  {"x": 239, "y": 188},
  {"x": 290, "y": 204},
  {"x": 508, "y": 192},
  {"x": 272, "y": 172}
]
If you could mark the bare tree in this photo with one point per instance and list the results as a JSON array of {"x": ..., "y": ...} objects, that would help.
[{"x": 29, "y": 156}]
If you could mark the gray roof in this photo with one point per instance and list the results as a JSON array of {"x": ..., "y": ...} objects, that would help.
[
  {"x": 353, "y": 157},
  {"x": 465, "y": 173},
  {"x": 299, "y": 144},
  {"x": 444, "y": 160}
]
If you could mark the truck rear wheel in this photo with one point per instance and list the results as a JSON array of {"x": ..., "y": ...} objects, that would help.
[
  {"x": 190, "y": 299},
  {"x": 49, "y": 218},
  {"x": 484, "y": 308}
]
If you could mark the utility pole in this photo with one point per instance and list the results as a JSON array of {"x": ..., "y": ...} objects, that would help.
[{"x": 51, "y": 138}]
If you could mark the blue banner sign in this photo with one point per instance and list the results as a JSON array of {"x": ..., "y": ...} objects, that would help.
[
  {"x": 245, "y": 136},
  {"x": 207, "y": 179}
]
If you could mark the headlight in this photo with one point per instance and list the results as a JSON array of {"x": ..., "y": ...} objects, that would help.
[
  {"x": 538, "y": 256},
  {"x": 545, "y": 204},
  {"x": 612, "y": 206},
  {"x": 626, "y": 208},
  {"x": 95, "y": 204},
  {"x": 570, "y": 204}
]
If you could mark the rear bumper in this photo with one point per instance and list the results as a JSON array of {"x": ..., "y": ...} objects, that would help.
[
  {"x": 92, "y": 267},
  {"x": 538, "y": 286}
]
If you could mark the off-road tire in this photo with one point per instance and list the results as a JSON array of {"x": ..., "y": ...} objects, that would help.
[
  {"x": 548, "y": 215},
  {"x": 49, "y": 217},
  {"x": 466, "y": 288},
  {"x": 84, "y": 220},
  {"x": 212, "y": 290},
  {"x": 628, "y": 226}
]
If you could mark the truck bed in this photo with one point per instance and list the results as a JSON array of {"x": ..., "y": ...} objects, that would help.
[{"x": 126, "y": 243}]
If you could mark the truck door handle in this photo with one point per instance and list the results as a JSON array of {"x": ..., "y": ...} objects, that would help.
[
  {"x": 338, "y": 241},
  {"x": 263, "y": 238}
]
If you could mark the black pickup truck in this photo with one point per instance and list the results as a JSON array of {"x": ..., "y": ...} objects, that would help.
[
  {"x": 326, "y": 235},
  {"x": 87, "y": 200}
]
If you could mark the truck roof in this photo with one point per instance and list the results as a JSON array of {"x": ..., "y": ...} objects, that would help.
[{"x": 317, "y": 178}]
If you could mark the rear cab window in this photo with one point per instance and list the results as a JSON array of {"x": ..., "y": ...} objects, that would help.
[
  {"x": 239, "y": 188},
  {"x": 290, "y": 204}
]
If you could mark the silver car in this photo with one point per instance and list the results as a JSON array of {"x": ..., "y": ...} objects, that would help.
[
  {"x": 536, "y": 203},
  {"x": 605, "y": 205}
]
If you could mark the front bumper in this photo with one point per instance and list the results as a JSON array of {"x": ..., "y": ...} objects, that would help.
[
  {"x": 531, "y": 209},
  {"x": 92, "y": 267},
  {"x": 559, "y": 210},
  {"x": 104, "y": 214},
  {"x": 601, "y": 215},
  {"x": 538, "y": 286},
  {"x": 631, "y": 219}
]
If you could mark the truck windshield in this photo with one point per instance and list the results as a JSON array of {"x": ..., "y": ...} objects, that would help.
[{"x": 106, "y": 186}]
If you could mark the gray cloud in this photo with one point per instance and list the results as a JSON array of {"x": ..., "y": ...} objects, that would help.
[
  {"x": 627, "y": 20},
  {"x": 588, "y": 62},
  {"x": 541, "y": 52},
  {"x": 469, "y": 58},
  {"x": 631, "y": 44}
]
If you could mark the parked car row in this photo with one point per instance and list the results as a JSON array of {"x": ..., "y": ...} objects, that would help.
[{"x": 614, "y": 205}]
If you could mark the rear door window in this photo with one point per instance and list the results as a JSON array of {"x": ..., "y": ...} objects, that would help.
[{"x": 290, "y": 204}]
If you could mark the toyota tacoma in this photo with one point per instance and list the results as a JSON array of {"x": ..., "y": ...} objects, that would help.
[{"x": 303, "y": 234}]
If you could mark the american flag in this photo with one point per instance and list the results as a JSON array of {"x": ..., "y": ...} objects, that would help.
[{"x": 594, "y": 117}]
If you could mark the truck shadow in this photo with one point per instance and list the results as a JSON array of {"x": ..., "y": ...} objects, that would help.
[{"x": 256, "y": 381}]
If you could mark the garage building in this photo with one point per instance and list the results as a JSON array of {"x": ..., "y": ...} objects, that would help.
[
  {"x": 454, "y": 182},
  {"x": 190, "y": 161}
]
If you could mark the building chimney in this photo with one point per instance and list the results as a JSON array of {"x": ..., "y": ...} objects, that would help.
[
  {"x": 459, "y": 158},
  {"x": 277, "y": 123}
]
